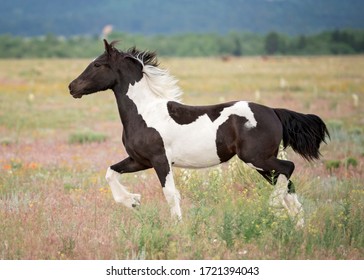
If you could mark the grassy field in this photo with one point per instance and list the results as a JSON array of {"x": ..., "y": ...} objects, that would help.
[{"x": 54, "y": 151}]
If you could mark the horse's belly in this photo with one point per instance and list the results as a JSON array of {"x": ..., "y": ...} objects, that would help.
[
  {"x": 194, "y": 156},
  {"x": 192, "y": 145}
]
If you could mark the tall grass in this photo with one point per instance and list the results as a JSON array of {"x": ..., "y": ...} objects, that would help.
[{"x": 44, "y": 217}]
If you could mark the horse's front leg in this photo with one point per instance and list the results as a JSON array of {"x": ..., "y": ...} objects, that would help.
[
  {"x": 164, "y": 171},
  {"x": 119, "y": 192}
]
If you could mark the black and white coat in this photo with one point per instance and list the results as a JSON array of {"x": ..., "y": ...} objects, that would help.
[{"x": 160, "y": 132}]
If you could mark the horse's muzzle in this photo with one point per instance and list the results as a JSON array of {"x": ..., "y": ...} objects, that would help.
[{"x": 72, "y": 90}]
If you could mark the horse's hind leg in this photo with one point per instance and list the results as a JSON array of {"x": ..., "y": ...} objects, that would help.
[
  {"x": 284, "y": 195},
  {"x": 119, "y": 192},
  {"x": 278, "y": 172}
]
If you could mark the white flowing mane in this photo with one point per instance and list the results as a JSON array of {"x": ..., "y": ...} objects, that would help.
[{"x": 160, "y": 81}]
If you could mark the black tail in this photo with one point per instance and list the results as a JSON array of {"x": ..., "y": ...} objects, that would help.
[{"x": 304, "y": 133}]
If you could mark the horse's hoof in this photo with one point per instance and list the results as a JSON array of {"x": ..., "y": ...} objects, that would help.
[{"x": 135, "y": 201}]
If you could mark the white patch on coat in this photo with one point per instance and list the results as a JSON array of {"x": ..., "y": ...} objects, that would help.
[
  {"x": 190, "y": 145},
  {"x": 240, "y": 108}
]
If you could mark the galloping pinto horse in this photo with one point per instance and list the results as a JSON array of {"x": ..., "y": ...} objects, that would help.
[{"x": 160, "y": 132}]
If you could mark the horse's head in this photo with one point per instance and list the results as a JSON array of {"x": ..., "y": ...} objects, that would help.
[{"x": 105, "y": 72}]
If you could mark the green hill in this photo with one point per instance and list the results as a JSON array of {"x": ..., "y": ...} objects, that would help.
[{"x": 68, "y": 17}]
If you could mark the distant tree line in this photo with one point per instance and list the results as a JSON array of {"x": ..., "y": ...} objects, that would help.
[{"x": 232, "y": 44}]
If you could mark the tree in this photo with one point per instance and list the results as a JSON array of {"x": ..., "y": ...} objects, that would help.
[{"x": 272, "y": 43}]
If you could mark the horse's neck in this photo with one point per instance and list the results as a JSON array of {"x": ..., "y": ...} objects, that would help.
[
  {"x": 139, "y": 100},
  {"x": 142, "y": 96}
]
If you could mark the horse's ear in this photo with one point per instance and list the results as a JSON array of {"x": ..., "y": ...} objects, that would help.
[{"x": 108, "y": 47}]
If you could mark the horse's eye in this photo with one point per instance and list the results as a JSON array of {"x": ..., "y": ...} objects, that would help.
[{"x": 96, "y": 64}]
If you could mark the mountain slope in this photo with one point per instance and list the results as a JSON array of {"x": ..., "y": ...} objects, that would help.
[{"x": 68, "y": 17}]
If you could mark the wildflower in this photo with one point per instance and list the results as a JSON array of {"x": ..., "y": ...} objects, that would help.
[
  {"x": 94, "y": 179},
  {"x": 33, "y": 165},
  {"x": 31, "y": 97},
  {"x": 355, "y": 100},
  {"x": 313, "y": 230},
  {"x": 274, "y": 225},
  {"x": 7, "y": 167},
  {"x": 244, "y": 252},
  {"x": 104, "y": 190},
  {"x": 282, "y": 83}
]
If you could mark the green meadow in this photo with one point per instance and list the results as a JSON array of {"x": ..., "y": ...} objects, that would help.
[{"x": 54, "y": 151}]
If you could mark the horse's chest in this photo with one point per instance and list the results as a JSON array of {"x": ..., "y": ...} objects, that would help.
[{"x": 142, "y": 142}]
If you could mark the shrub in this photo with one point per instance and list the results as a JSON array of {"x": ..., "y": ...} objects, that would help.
[
  {"x": 86, "y": 137},
  {"x": 332, "y": 164},
  {"x": 351, "y": 161}
]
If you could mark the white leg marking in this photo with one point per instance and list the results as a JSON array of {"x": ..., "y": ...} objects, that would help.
[
  {"x": 295, "y": 208},
  {"x": 280, "y": 190},
  {"x": 172, "y": 196},
  {"x": 119, "y": 192},
  {"x": 280, "y": 197}
]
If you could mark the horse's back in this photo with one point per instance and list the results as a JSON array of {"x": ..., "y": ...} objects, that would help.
[{"x": 187, "y": 114}]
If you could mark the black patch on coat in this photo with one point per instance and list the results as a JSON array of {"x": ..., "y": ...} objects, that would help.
[
  {"x": 185, "y": 114},
  {"x": 228, "y": 137}
]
